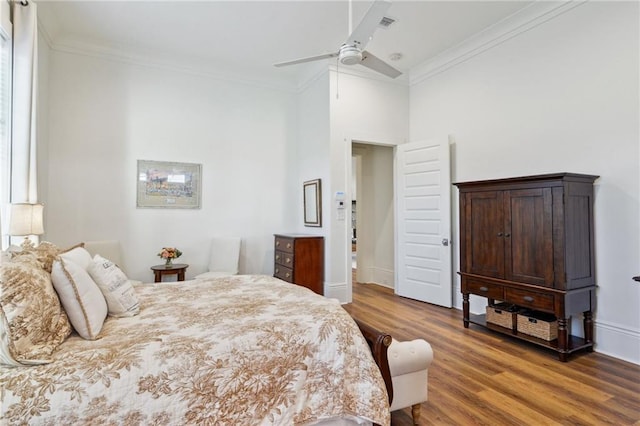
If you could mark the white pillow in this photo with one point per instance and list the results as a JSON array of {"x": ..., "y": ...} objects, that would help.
[
  {"x": 115, "y": 286},
  {"x": 80, "y": 296},
  {"x": 78, "y": 255}
]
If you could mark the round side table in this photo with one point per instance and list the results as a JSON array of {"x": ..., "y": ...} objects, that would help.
[{"x": 176, "y": 269}]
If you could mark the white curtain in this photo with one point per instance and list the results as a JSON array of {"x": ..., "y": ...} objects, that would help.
[
  {"x": 25, "y": 74},
  {"x": 6, "y": 36}
]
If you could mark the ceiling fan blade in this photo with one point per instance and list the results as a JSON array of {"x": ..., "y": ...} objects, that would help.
[
  {"x": 308, "y": 59},
  {"x": 365, "y": 29},
  {"x": 373, "y": 62}
]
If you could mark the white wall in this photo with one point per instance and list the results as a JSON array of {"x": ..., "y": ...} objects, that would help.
[
  {"x": 313, "y": 136},
  {"x": 313, "y": 155},
  {"x": 382, "y": 211},
  {"x": 107, "y": 114},
  {"x": 562, "y": 96}
]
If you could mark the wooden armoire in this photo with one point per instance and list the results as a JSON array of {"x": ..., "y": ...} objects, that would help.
[{"x": 529, "y": 242}]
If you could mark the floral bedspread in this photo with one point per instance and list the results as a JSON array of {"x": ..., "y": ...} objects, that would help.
[{"x": 242, "y": 350}]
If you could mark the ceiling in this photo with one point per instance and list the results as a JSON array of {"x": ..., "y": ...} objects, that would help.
[{"x": 245, "y": 38}]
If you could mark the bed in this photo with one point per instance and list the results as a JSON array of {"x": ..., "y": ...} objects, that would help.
[{"x": 240, "y": 350}]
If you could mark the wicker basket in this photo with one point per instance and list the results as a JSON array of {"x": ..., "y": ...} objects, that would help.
[
  {"x": 538, "y": 324},
  {"x": 502, "y": 314}
]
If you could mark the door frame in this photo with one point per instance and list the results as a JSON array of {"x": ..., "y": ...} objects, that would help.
[{"x": 365, "y": 140}]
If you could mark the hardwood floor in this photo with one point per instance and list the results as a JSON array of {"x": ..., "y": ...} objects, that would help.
[{"x": 483, "y": 378}]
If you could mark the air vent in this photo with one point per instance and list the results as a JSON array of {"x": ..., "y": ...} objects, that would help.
[{"x": 386, "y": 22}]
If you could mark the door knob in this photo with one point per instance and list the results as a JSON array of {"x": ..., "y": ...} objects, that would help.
[{"x": 445, "y": 242}]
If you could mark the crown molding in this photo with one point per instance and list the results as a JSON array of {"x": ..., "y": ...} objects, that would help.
[
  {"x": 192, "y": 66},
  {"x": 523, "y": 20},
  {"x": 42, "y": 30},
  {"x": 203, "y": 68},
  {"x": 312, "y": 78}
]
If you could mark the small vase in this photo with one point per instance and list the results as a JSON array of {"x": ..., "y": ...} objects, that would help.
[{"x": 168, "y": 263}]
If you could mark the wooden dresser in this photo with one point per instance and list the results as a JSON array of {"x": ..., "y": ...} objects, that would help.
[
  {"x": 299, "y": 259},
  {"x": 529, "y": 242}
]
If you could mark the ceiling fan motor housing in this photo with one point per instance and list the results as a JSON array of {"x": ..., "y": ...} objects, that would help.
[{"x": 350, "y": 55}]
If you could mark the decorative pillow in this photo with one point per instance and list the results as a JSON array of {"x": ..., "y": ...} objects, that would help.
[
  {"x": 80, "y": 296},
  {"x": 115, "y": 286},
  {"x": 46, "y": 253},
  {"x": 32, "y": 322},
  {"x": 78, "y": 255}
]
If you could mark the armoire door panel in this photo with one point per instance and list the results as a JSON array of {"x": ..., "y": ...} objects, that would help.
[
  {"x": 485, "y": 244},
  {"x": 579, "y": 255},
  {"x": 529, "y": 236}
]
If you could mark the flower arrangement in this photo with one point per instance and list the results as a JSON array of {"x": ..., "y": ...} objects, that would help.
[{"x": 168, "y": 254}]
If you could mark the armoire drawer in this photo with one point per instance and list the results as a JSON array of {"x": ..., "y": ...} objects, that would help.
[
  {"x": 483, "y": 288},
  {"x": 530, "y": 299}
]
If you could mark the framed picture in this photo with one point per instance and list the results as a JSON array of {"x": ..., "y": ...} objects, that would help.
[
  {"x": 163, "y": 184},
  {"x": 312, "y": 191}
]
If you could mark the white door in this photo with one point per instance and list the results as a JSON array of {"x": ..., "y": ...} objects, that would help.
[{"x": 423, "y": 222}]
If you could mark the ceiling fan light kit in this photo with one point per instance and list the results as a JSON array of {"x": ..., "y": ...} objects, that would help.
[
  {"x": 350, "y": 55},
  {"x": 352, "y": 51}
]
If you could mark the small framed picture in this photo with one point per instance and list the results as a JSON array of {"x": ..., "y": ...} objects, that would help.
[{"x": 312, "y": 191}]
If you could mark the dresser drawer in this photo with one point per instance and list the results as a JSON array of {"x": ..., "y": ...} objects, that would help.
[
  {"x": 284, "y": 244},
  {"x": 284, "y": 273},
  {"x": 284, "y": 258},
  {"x": 530, "y": 299},
  {"x": 483, "y": 288}
]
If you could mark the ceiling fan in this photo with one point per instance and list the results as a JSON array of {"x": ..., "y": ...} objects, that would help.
[{"x": 352, "y": 51}]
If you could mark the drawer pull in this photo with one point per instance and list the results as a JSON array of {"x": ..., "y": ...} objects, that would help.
[
  {"x": 288, "y": 260},
  {"x": 277, "y": 270},
  {"x": 287, "y": 275},
  {"x": 499, "y": 234},
  {"x": 288, "y": 245},
  {"x": 277, "y": 257},
  {"x": 528, "y": 299},
  {"x": 277, "y": 243},
  {"x": 483, "y": 288}
]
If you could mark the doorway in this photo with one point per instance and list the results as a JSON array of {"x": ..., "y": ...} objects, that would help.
[
  {"x": 372, "y": 222},
  {"x": 409, "y": 252}
]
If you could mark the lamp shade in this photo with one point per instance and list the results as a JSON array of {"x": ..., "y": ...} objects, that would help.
[{"x": 26, "y": 219}]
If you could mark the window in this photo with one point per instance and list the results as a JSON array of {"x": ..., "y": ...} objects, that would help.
[{"x": 5, "y": 116}]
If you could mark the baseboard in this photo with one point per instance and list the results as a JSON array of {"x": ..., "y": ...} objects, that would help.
[
  {"x": 383, "y": 277},
  {"x": 337, "y": 291},
  {"x": 617, "y": 341},
  {"x": 379, "y": 276}
]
